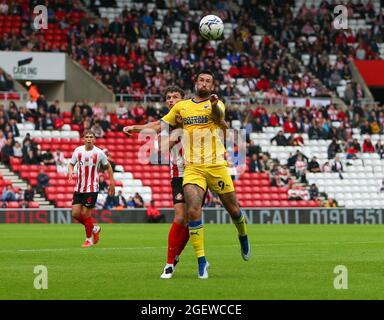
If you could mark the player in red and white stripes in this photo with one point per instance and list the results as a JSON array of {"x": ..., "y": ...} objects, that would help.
[
  {"x": 89, "y": 159},
  {"x": 178, "y": 234}
]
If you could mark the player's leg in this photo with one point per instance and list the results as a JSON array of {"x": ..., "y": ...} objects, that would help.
[
  {"x": 89, "y": 201},
  {"x": 77, "y": 208},
  {"x": 194, "y": 196},
  {"x": 220, "y": 182},
  {"x": 178, "y": 234}
]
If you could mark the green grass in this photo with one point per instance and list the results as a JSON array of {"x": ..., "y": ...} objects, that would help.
[{"x": 288, "y": 262}]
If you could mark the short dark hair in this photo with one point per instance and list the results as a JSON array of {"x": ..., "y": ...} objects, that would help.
[
  {"x": 206, "y": 71},
  {"x": 174, "y": 89},
  {"x": 88, "y": 131}
]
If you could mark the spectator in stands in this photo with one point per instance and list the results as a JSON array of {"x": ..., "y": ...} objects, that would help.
[
  {"x": 120, "y": 200},
  {"x": 130, "y": 203},
  {"x": 280, "y": 139},
  {"x": 59, "y": 156},
  {"x": 326, "y": 167},
  {"x": 48, "y": 158},
  {"x": 110, "y": 202},
  {"x": 17, "y": 150},
  {"x": 254, "y": 164},
  {"x": 379, "y": 149},
  {"x": 61, "y": 167},
  {"x": 31, "y": 106},
  {"x": 365, "y": 128},
  {"x": 368, "y": 146},
  {"x": 212, "y": 200},
  {"x": 313, "y": 192},
  {"x": 8, "y": 194},
  {"x": 29, "y": 193},
  {"x": 42, "y": 182},
  {"x": 331, "y": 203},
  {"x": 282, "y": 178},
  {"x": 103, "y": 186},
  {"x": 153, "y": 214},
  {"x": 4, "y": 8},
  {"x": 77, "y": 117},
  {"x": 6, "y": 151},
  {"x": 313, "y": 165},
  {"x": 40, "y": 124},
  {"x": 13, "y": 127},
  {"x": 139, "y": 202},
  {"x": 298, "y": 193},
  {"x": 54, "y": 108},
  {"x": 98, "y": 130},
  {"x": 253, "y": 148},
  {"x": 300, "y": 168},
  {"x": 2, "y": 139},
  {"x": 333, "y": 149},
  {"x": 337, "y": 166},
  {"x": 122, "y": 111}
]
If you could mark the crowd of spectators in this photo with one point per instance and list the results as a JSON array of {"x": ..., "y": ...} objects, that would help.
[
  {"x": 278, "y": 18},
  {"x": 263, "y": 70}
]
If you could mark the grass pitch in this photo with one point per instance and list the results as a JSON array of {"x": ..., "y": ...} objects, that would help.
[{"x": 288, "y": 262}]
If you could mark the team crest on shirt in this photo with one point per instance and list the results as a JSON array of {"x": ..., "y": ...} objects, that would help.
[
  {"x": 81, "y": 163},
  {"x": 206, "y": 107}
]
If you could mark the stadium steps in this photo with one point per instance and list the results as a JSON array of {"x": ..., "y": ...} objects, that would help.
[{"x": 19, "y": 183}]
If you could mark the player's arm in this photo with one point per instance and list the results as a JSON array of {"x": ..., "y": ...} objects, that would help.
[
  {"x": 71, "y": 166},
  {"x": 150, "y": 127},
  {"x": 111, "y": 189},
  {"x": 167, "y": 142},
  {"x": 218, "y": 109}
]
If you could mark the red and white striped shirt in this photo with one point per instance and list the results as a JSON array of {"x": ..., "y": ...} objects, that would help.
[
  {"x": 88, "y": 164},
  {"x": 177, "y": 160}
]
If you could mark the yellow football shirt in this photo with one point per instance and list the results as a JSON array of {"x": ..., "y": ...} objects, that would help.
[{"x": 201, "y": 135}]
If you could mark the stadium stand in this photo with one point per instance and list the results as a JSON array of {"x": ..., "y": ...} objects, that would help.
[{"x": 117, "y": 48}]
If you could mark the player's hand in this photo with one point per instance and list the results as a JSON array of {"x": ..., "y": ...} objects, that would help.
[
  {"x": 214, "y": 98},
  {"x": 128, "y": 131},
  {"x": 179, "y": 120},
  {"x": 111, "y": 190},
  {"x": 70, "y": 176},
  {"x": 223, "y": 125}
]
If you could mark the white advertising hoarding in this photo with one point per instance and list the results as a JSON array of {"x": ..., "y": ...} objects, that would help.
[{"x": 23, "y": 65}]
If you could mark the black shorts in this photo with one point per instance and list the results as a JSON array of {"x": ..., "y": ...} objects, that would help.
[
  {"x": 86, "y": 199},
  {"x": 177, "y": 190}
]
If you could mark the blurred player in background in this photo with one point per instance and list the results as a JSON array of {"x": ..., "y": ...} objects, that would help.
[{"x": 89, "y": 159}]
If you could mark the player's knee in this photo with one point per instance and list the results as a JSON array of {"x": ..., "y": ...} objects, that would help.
[
  {"x": 180, "y": 220},
  {"x": 194, "y": 213},
  {"x": 234, "y": 210}
]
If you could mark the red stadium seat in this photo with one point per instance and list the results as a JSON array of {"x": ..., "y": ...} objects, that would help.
[{"x": 33, "y": 204}]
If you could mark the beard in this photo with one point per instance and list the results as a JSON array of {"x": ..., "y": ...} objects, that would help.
[{"x": 202, "y": 93}]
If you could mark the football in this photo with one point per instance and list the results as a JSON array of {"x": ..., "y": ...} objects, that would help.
[{"x": 211, "y": 27}]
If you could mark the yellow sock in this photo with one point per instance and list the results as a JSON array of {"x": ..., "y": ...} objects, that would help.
[
  {"x": 196, "y": 237},
  {"x": 240, "y": 224}
]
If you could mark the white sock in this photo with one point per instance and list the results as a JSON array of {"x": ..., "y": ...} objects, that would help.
[
  {"x": 169, "y": 265},
  {"x": 90, "y": 240}
]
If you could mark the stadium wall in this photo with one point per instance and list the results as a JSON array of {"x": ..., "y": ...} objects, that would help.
[
  {"x": 80, "y": 85},
  {"x": 210, "y": 216}
]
